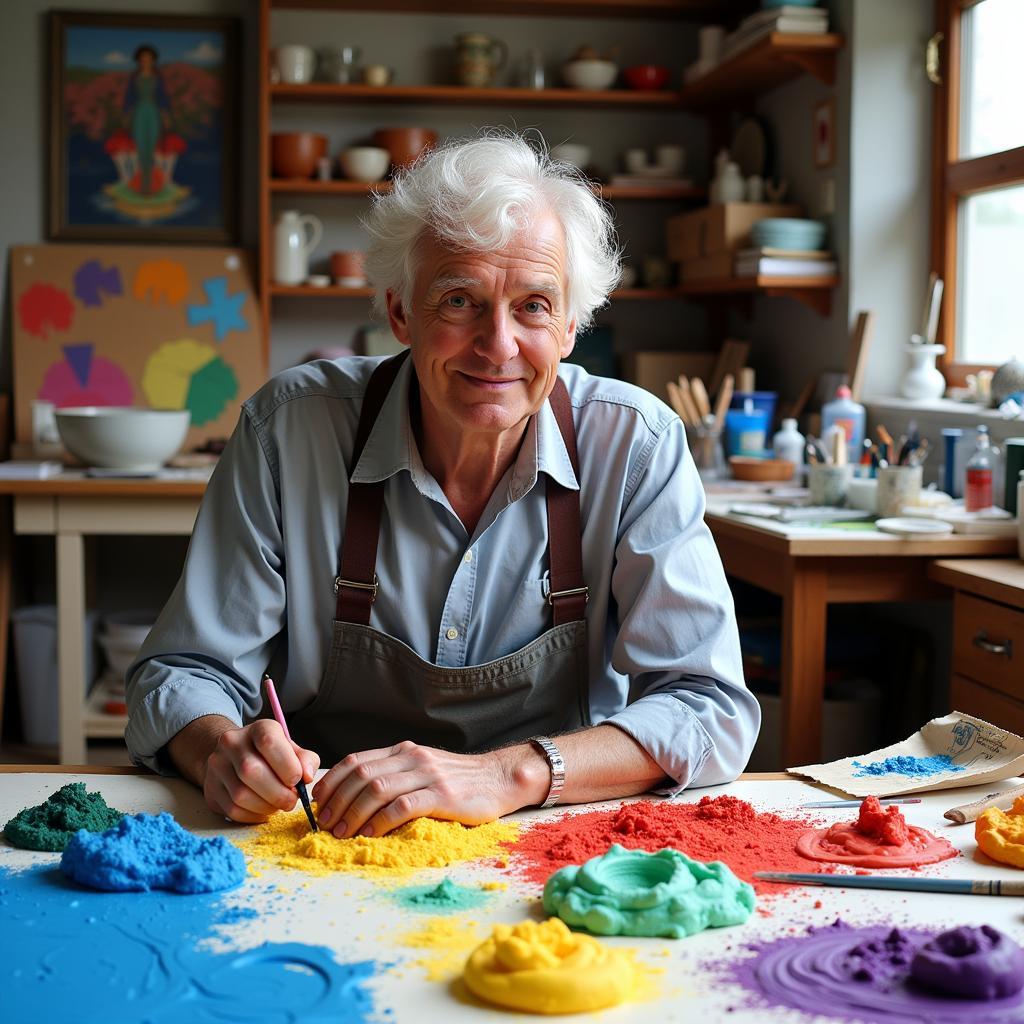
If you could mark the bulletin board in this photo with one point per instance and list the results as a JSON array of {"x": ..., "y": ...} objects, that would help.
[{"x": 146, "y": 326}]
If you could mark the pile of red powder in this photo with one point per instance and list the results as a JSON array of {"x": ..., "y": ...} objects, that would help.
[{"x": 720, "y": 828}]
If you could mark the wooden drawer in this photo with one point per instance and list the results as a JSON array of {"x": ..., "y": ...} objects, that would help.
[
  {"x": 973, "y": 699},
  {"x": 979, "y": 626}
]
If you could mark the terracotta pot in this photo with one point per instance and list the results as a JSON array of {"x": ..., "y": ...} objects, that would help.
[
  {"x": 295, "y": 154},
  {"x": 404, "y": 144},
  {"x": 347, "y": 266}
]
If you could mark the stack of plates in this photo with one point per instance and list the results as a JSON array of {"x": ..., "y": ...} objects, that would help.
[{"x": 788, "y": 233}]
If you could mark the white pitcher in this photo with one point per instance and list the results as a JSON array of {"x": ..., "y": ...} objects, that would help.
[{"x": 292, "y": 245}]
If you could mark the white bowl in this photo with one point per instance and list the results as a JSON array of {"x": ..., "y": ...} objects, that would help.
[
  {"x": 590, "y": 74},
  {"x": 572, "y": 153},
  {"x": 364, "y": 163},
  {"x": 136, "y": 440}
]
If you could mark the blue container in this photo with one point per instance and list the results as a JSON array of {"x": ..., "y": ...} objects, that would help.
[
  {"x": 763, "y": 400},
  {"x": 746, "y": 431},
  {"x": 950, "y": 439}
]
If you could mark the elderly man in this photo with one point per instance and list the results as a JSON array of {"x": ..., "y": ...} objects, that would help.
[{"x": 479, "y": 576}]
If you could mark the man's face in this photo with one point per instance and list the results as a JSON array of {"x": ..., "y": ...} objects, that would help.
[{"x": 487, "y": 330}]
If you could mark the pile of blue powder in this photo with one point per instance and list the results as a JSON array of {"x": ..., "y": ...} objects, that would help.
[
  {"x": 144, "y": 851},
  {"x": 912, "y": 767}
]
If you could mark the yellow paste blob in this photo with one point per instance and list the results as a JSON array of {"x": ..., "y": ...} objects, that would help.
[
  {"x": 545, "y": 968},
  {"x": 448, "y": 940},
  {"x": 285, "y": 840},
  {"x": 1000, "y": 834}
]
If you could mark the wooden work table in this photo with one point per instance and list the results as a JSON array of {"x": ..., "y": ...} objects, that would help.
[
  {"x": 70, "y": 507},
  {"x": 813, "y": 567}
]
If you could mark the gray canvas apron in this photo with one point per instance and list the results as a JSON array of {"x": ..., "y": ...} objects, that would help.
[{"x": 376, "y": 691}]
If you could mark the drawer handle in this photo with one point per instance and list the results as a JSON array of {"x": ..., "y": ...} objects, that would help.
[{"x": 986, "y": 645}]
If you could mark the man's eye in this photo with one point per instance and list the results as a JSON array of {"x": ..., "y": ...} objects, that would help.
[
  {"x": 457, "y": 301},
  {"x": 533, "y": 306}
]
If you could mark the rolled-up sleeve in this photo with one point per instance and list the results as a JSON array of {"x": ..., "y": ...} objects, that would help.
[
  {"x": 677, "y": 638},
  {"x": 212, "y": 641}
]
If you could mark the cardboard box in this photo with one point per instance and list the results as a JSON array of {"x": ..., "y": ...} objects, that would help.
[
  {"x": 652, "y": 370},
  {"x": 719, "y": 228},
  {"x": 706, "y": 268}
]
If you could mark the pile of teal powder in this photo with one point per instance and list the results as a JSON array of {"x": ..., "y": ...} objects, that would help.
[
  {"x": 145, "y": 851},
  {"x": 50, "y": 825}
]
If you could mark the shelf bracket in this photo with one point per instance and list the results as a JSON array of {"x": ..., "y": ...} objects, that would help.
[
  {"x": 818, "y": 299},
  {"x": 821, "y": 65}
]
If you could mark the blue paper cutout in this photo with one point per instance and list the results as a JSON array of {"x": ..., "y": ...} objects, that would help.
[
  {"x": 223, "y": 310},
  {"x": 80, "y": 359}
]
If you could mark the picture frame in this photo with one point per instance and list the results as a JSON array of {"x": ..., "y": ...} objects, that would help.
[
  {"x": 144, "y": 128},
  {"x": 824, "y": 133}
]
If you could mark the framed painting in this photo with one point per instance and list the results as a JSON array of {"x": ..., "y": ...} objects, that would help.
[{"x": 143, "y": 128}]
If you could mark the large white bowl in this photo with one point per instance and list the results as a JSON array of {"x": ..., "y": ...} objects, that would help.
[
  {"x": 136, "y": 440},
  {"x": 590, "y": 74}
]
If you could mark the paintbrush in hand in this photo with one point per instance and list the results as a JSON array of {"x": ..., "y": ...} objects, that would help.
[{"x": 275, "y": 706}]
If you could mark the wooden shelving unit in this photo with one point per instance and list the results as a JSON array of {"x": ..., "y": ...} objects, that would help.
[
  {"x": 771, "y": 62},
  {"x": 692, "y": 10},
  {"x": 815, "y": 292}
]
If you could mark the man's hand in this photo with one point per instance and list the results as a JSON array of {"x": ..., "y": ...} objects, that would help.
[
  {"x": 246, "y": 773},
  {"x": 375, "y": 791}
]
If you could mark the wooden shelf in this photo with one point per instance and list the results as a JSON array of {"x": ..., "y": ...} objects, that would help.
[
  {"x": 697, "y": 10},
  {"x": 770, "y": 62},
  {"x": 815, "y": 292},
  {"x": 460, "y": 95},
  {"x": 306, "y": 291},
  {"x": 301, "y": 186}
]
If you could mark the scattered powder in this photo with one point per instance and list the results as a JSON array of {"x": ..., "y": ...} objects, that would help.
[
  {"x": 50, "y": 825},
  {"x": 145, "y": 851},
  {"x": 879, "y": 838},
  {"x": 72, "y": 954},
  {"x": 721, "y": 828},
  {"x": 1000, "y": 834},
  {"x": 423, "y": 843},
  {"x": 913, "y": 767},
  {"x": 446, "y": 898},
  {"x": 448, "y": 942},
  {"x": 858, "y": 974}
]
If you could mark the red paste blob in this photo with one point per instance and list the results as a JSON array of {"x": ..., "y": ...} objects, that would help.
[
  {"x": 716, "y": 828},
  {"x": 877, "y": 839}
]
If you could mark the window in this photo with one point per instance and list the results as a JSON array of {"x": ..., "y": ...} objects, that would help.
[{"x": 978, "y": 183}]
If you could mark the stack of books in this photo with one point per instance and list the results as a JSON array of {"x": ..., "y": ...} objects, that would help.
[
  {"x": 784, "y": 263},
  {"x": 788, "y": 18}
]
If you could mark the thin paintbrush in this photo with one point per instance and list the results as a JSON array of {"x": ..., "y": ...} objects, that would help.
[
  {"x": 275, "y": 706},
  {"x": 857, "y": 803},
  {"x": 959, "y": 886}
]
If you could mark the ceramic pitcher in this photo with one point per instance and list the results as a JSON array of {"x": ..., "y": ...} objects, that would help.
[
  {"x": 479, "y": 57},
  {"x": 295, "y": 237}
]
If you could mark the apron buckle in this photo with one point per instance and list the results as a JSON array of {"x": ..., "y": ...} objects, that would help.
[
  {"x": 552, "y": 594},
  {"x": 372, "y": 587}
]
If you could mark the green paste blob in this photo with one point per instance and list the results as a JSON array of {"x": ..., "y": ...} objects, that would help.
[
  {"x": 446, "y": 898},
  {"x": 663, "y": 894},
  {"x": 50, "y": 825}
]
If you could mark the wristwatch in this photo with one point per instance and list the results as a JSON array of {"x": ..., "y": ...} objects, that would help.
[{"x": 557, "y": 764}]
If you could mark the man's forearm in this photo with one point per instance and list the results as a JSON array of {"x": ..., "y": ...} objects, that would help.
[
  {"x": 190, "y": 748},
  {"x": 601, "y": 763}
]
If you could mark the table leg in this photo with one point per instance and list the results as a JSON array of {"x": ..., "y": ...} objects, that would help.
[
  {"x": 71, "y": 646},
  {"x": 804, "y": 616}
]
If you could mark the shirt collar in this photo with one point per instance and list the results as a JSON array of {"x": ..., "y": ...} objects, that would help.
[{"x": 391, "y": 446}]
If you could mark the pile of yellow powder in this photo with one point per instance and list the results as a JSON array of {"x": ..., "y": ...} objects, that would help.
[
  {"x": 447, "y": 940},
  {"x": 285, "y": 840}
]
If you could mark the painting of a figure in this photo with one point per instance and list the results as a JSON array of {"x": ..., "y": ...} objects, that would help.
[{"x": 143, "y": 127}]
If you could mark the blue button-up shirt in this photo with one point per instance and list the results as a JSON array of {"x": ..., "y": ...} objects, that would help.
[{"x": 257, "y": 586}]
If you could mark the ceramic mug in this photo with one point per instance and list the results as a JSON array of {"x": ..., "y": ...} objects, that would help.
[
  {"x": 635, "y": 160},
  {"x": 827, "y": 483},
  {"x": 897, "y": 486},
  {"x": 295, "y": 64},
  {"x": 376, "y": 74},
  {"x": 670, "y": 158},
  {"x": 347, "y": 267}
]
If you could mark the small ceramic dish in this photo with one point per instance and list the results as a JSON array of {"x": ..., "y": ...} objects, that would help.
[
  {"x": 746, "y": 467},
  {"x": 907, "y": 527},
  {"x": 646, "y": 76},
  {"x": 590, "y": 74}
]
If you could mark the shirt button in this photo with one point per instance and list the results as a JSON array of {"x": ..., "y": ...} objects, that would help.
[
  {"x": 468, "y": 556},
  {"x": 452, "y": 634}
]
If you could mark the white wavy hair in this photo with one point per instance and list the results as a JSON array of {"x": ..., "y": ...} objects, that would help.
[{"x": 476, "y": 195}]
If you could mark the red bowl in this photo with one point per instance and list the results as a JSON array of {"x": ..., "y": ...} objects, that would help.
[{"x": 646, "y": 76}]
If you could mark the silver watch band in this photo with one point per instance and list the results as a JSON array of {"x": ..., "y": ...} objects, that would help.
[{"x": 557, "y": 765}]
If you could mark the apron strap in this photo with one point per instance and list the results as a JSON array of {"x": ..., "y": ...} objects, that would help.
[
  {"x": 567, "y": 594},
  {"x": 356, "y": 583}
]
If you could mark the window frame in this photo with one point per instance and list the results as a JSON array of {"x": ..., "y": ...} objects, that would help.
[{"x": 954, "y": 179}]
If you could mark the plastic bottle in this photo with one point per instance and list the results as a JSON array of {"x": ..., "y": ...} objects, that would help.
[
  {"x": 980, "y": 466},
  {"x": 848, "y": 414},
  {"x": 788, "y": 443}
]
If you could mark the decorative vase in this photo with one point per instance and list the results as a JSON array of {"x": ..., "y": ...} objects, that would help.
[
  {"x": 923, "y": 379},
  {"x": 293, "y": 247}
]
